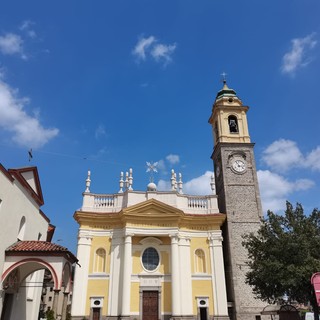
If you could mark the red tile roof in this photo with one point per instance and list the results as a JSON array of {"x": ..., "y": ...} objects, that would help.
[{"x": 40, "y": 248}]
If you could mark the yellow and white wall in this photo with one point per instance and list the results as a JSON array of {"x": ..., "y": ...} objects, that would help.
[{"x": 190, "y": 273}]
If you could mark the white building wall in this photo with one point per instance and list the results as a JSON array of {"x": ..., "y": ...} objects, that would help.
[{"x": 15, "y": 203}]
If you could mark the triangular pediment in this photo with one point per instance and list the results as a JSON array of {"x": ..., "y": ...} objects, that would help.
[
  {"x": 152, "y": 208},
  {"x": 29, "y": 179}
]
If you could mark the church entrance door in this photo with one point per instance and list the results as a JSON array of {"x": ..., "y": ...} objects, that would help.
[
  {"x": 150, "y": 305},
  {"x": 96, "y": 314}
]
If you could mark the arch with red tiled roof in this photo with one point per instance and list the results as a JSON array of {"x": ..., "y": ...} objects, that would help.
[{"x": 31, "y": 256}]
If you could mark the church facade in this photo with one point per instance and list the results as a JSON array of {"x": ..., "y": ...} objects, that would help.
[{"x": 166, "y": 255}]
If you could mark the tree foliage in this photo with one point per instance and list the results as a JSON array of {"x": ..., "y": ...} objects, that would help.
[
  {"x": 284, "y": 254},
  {"x": 50, "y": 315}
]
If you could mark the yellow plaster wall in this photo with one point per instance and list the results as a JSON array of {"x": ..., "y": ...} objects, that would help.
[
  {"x": 135, "y": 297},
  {"x": 136, "y": 264},
  {"x": 166, "y": 297},
  {"x": 98, "y": 288},
  {"x": 200, "y": 243},
  {"x": 136, "y": 240},
  {"x": 165, "y": 263},
  {"x": 202, "y": 288},
  {"x": 165, "y": 240},
  {"x": 100, "y": 242}
]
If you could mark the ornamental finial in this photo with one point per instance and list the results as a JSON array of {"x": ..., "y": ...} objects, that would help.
[{"x": 88, "y": 182}]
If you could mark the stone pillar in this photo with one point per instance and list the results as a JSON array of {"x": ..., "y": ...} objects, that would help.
[
  {"x": 114, "y": 302},
  {"x": 55, "y": 302},
  {"x": 175, "y": 276},
  {"x": 126, "y": 278},
  {"x": 64, "y": 306},
  {"x": 185, "y": 277},
  {"x": 80, "y": 284},
  {"x": 218, "y": 277}
]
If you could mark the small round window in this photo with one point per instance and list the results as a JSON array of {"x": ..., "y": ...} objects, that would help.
[{"x": 150, "y": 259}]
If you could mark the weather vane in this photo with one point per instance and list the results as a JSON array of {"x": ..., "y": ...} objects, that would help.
[{"x": 152, "y": 168}]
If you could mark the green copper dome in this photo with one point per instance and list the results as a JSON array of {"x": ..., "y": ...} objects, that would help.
[{"x": 226, "y": 91}]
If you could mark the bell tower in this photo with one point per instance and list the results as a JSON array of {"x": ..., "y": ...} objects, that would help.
[{"x": 238, "y": 196}]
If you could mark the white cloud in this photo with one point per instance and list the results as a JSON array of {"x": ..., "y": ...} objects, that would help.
[
  {"x": 164, "y": 185},
  {"x": 313, "y": 159},
  {"x": 161, "y": 166},
  {"x": 11, "y": 44},
  {"x": 282, "y": 155},
  {"x": 200, "y": 185},
  {"x": 197, "y": 186},
  {"x": 163, "y": 52},
  {"x": 275, "y": 189},
  {"x": 173, "y": 158},
  {"x": 26, "y": 130},
  {"x": 143, "y": 45},
  {"x": 26, "y": 26},
  {"x": 151, "y": 47},
  {"x": 297, "y": 57},
  {"x": 100, "y": 132}
]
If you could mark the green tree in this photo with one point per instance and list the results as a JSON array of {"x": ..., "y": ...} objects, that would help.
[
  {"x": 283, "y": 255},
  {"x": 50, "y": 315}
]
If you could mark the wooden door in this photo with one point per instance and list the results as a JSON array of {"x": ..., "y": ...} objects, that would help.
[
  {"x": 203, "y": 313},
  {"x": 150, "y": 305},
  {"x": 95, "y": 313}
]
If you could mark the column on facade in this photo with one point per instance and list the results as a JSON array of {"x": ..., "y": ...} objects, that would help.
[
  {"x": 64, "y": 306},
  {"x": 115, "y": 265},
  {"x": 185, "y": 277},
  {"x": 81, "y": 275},
  {"x": 218, "y": 275},
  {"x": 126, "y": 278},
  {"x": 55, "y": 301},
  {"x": 175, "y": 276}
]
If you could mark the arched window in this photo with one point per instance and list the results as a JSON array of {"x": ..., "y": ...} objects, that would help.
[
  {"x": 200, "y": 261},
  {"x": 100, "y": 261},
  {"x": 22, "y": 228},
  {"x": 233, "y": 124}
]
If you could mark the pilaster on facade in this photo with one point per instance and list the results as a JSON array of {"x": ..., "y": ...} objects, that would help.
[
  {"x": 79, "y": 297},
  {"x": 175, "y": 276},
  {"x": 218, "y": 276},
  {"x": 126, "y": 277},
  {"x": 115, "y": 267},
  {"x": 185, "y": 276}
]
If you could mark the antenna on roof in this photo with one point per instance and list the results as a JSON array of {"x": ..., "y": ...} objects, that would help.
[{"x": 30, "y": 154}]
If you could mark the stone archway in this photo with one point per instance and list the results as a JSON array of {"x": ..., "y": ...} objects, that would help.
[{"x": 28, "y": 260}]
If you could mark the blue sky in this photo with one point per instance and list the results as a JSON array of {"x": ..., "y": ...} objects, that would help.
[{"x": 109, "y": 85}]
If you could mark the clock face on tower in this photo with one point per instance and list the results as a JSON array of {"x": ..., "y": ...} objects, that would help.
[{"x": 238, "y": 165}]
